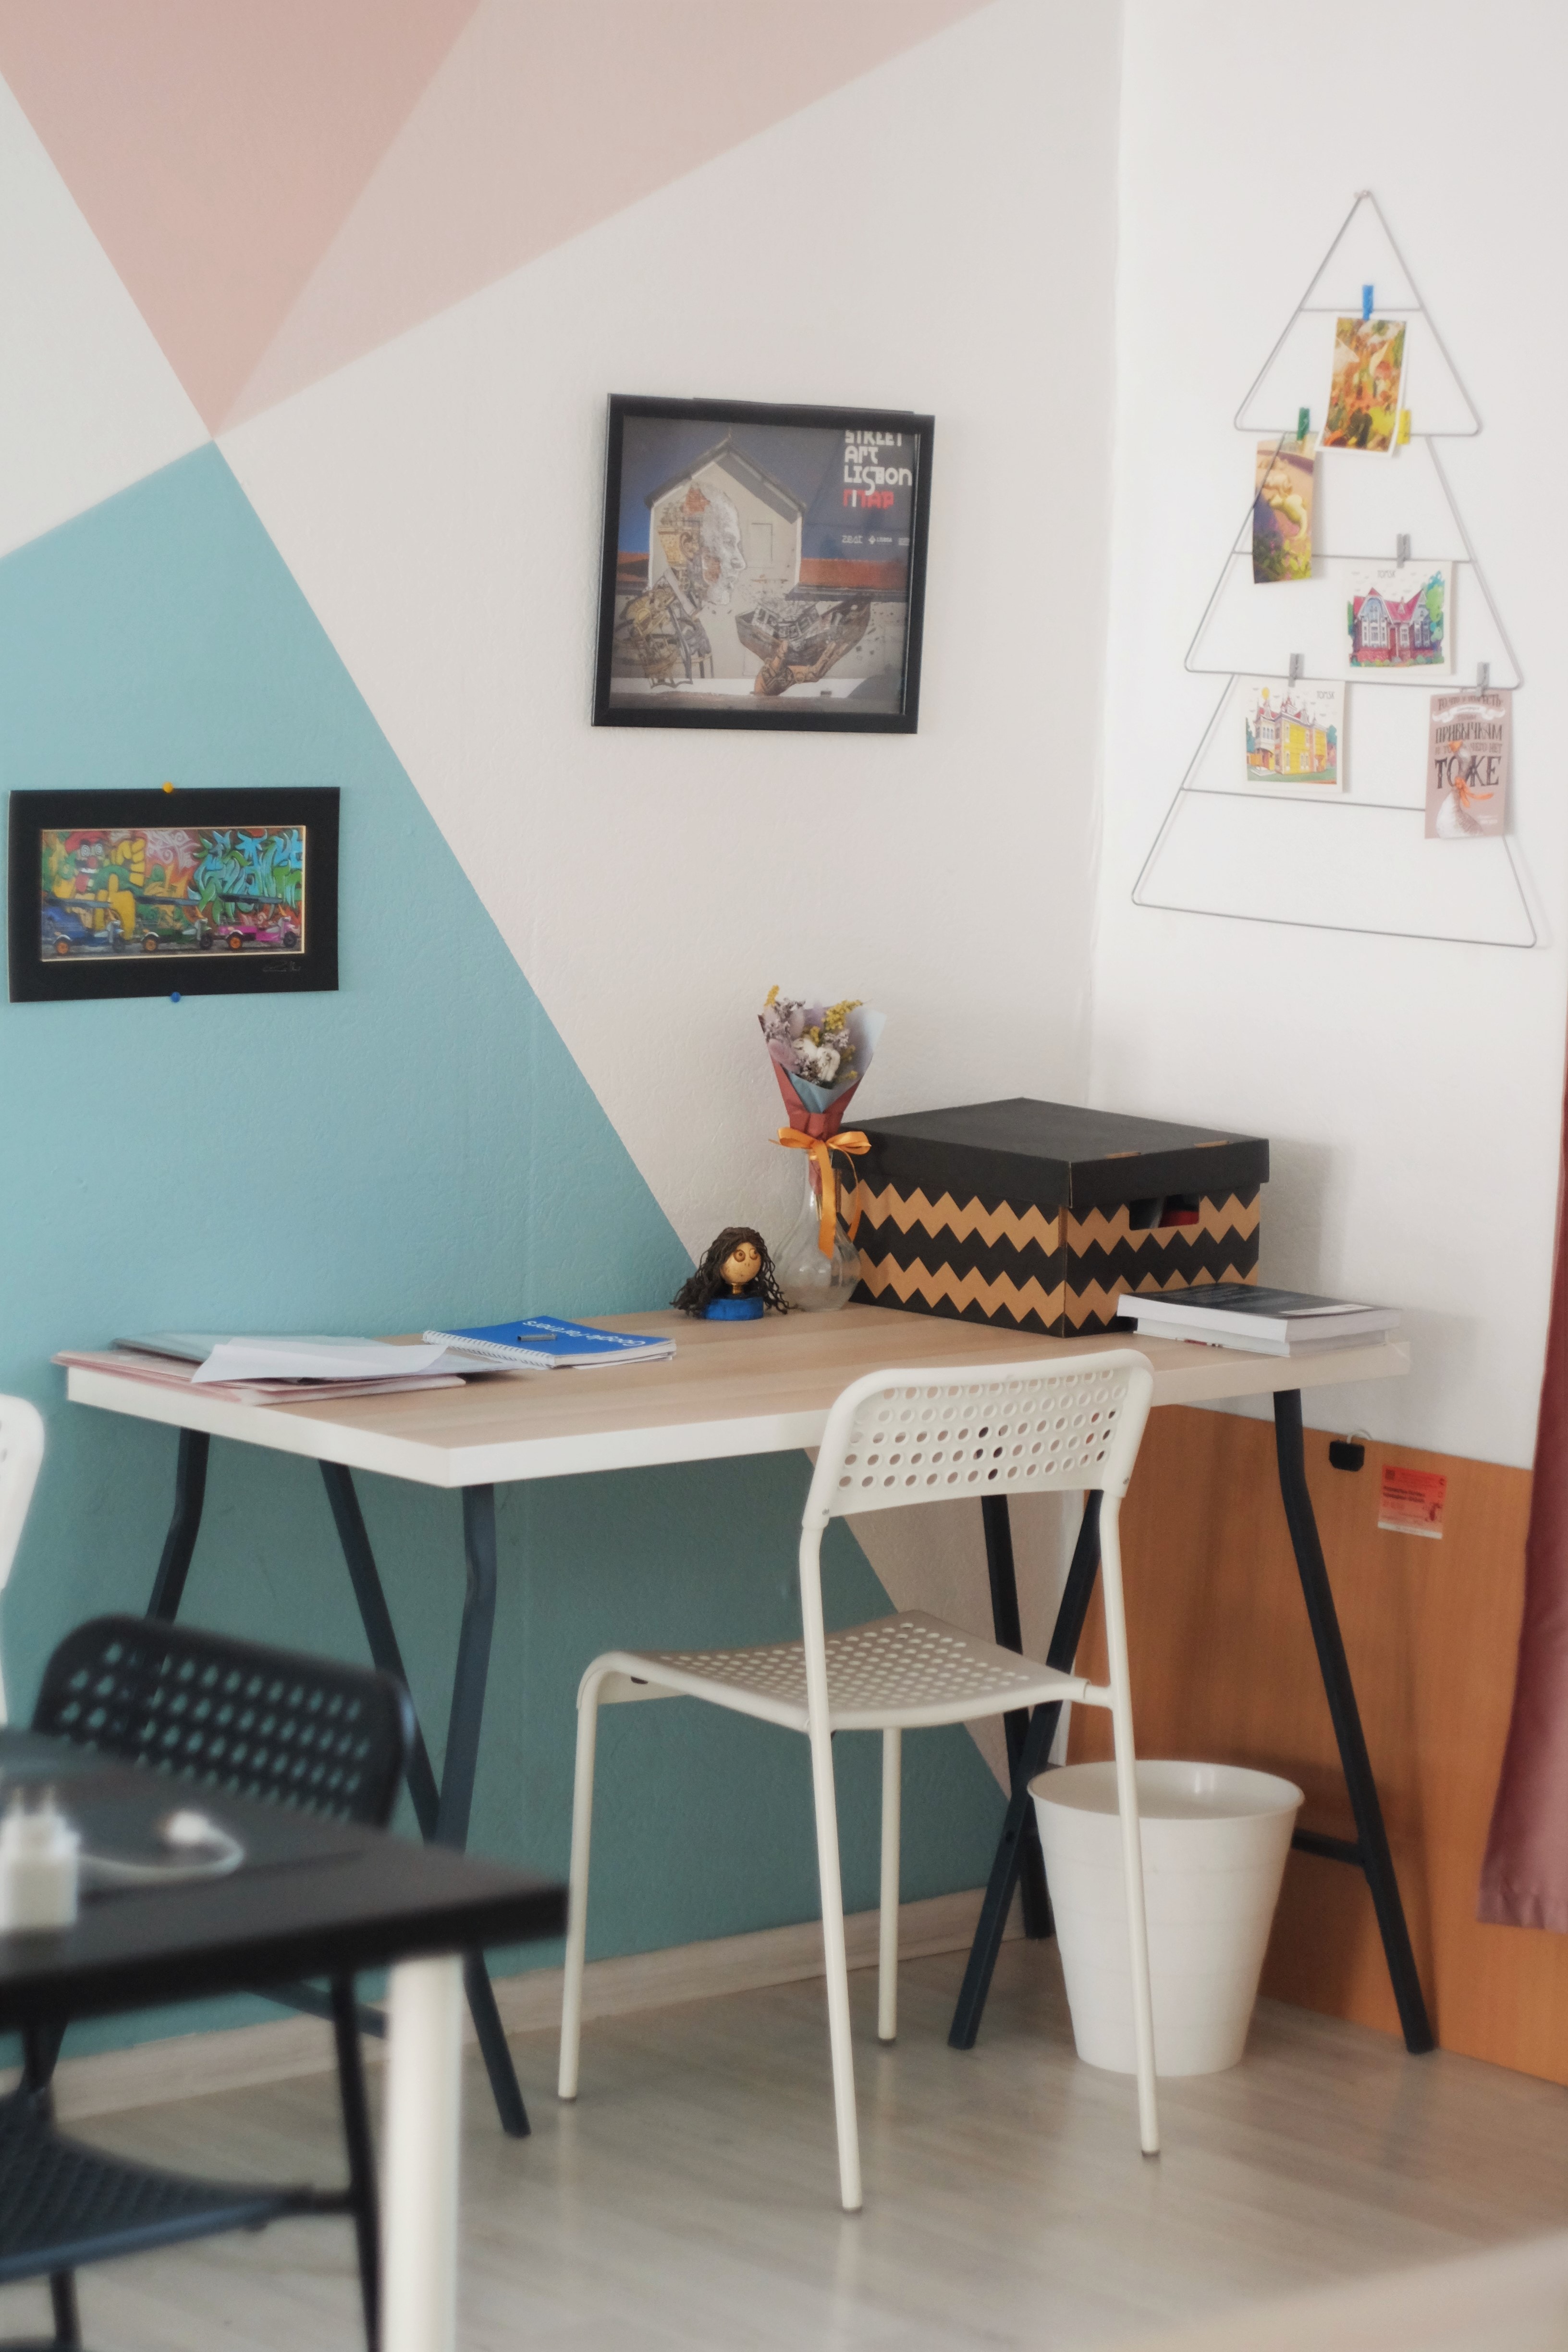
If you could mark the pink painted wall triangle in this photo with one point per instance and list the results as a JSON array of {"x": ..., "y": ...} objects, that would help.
[
  {"x": 545, "y": 119},
  {"x": 214, "y": 146}
]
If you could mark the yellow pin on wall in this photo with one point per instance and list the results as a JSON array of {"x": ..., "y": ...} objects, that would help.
[{"x": 168, "y": 788}]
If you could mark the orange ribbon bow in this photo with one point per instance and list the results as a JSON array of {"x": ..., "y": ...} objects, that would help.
[{"x": 820, "y": 1146}]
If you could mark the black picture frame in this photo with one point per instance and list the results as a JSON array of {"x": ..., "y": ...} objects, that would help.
[
  {"x": 851, "y": 704},
  {"x": 216, "y": 943}
]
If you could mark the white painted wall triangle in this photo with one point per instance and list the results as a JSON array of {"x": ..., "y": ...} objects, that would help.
[{"x": 88, "y": 404}]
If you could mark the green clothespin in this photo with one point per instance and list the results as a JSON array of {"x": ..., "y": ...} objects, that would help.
[{"x": 1303, "y": 424}]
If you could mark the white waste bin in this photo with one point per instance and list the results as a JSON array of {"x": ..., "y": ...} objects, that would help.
[{"x": 1214, "y": 1840}]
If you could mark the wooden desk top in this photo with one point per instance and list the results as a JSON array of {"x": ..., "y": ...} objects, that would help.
[{"x": 732, "y": 1388}]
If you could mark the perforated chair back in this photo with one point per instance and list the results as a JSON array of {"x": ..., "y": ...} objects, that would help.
[
  {"x": 925, "y": 1437},
  {"x": 21, "y": 1452},
  {"x": 235, "y": 1715}
]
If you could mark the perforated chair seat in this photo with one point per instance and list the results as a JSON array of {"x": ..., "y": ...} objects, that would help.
[
  {"x": 907, "y": 1671},
  {"x": 63, "y": 2204}
]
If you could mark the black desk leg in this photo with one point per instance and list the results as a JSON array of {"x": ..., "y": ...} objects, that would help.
[
  {"x": 190, "y": 1493},
  {"x": 1371, "y": 1848},
  {"x": 376, "y": 1619},
  {"x": 443, "y": 1811},
  {"x": 1007, "y": 1627},
  {"x": 1035, "y": 1748}
]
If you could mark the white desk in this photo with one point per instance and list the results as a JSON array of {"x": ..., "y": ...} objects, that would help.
[
  {"x": 732, "y": 1388},
  {"x": 739, "y": 1389}
]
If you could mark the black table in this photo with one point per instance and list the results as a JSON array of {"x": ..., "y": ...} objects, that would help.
[{"x": 313, "y": 1898}]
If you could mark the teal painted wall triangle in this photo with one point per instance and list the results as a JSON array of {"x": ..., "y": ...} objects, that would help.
[{"x": 420, "y": 1147}]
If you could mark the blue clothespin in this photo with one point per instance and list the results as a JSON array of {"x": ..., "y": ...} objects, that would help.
[{"x": 1367, "y": 301}]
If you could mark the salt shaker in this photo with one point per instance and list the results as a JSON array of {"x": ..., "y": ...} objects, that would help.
[{"x": 39, "y": 1861}]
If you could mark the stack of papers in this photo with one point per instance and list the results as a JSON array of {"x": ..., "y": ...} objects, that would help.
[
  {"x": 269, "y": 1371},
  {"x": 1262, "y": 1322},
  {"x": 276, "y": 1371}
]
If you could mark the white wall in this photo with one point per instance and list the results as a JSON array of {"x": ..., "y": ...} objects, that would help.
[
  {"x": 902, "y": 241},
  {"x": 1412, "y": 1092}
]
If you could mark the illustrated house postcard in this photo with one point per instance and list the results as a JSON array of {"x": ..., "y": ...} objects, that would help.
[
  {"x": 1400, "y": 615},
  {"x": 1295, "y": 731}
]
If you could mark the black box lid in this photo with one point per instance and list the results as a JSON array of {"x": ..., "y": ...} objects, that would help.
[{"x": 1057, "y": 1154}]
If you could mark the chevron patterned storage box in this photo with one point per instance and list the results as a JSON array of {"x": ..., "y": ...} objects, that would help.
[{"x": 1037, "y": 1215}]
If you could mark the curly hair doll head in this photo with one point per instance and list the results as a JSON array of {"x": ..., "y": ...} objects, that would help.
[{"x": 698, "y": 1291}]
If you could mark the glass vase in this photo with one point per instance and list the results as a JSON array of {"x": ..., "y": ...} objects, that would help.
[{"x": 809, "y": 1278}]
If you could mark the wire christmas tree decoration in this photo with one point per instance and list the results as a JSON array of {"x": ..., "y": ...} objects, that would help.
[{"x": 1231, "y": 847}]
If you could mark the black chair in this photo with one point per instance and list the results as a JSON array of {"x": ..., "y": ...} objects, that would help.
[{"x": 241, "y": 1720}]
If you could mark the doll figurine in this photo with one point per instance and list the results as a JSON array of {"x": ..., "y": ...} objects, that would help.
[{"x": 734, "y": 1282}]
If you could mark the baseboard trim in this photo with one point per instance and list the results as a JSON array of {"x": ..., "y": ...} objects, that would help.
[{"x": 190, "y": 2065}]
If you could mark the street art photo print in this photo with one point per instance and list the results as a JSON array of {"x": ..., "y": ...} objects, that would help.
[
  {"x": 1364, "y": 393},
  {"x": 1400, "y": 615},
  {"x": 761, "y": 566},
  {"x": 1295, "y": 731},
  {"x": 143, "y": 893},
  {"x": 1282, "y": 509}
]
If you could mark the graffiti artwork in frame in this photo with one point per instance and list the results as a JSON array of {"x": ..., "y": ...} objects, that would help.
[
  {"x": 201, "y": 893},
  {"x": 761, "y": 566}
]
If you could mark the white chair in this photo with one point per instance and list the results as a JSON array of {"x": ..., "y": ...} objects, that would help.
[
  {"x": 908, "y": 1437},
  {"x": 21, "y": 1450}
]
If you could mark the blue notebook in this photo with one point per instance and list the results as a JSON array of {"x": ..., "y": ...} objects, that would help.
[{"x": 544, "y": 1343}]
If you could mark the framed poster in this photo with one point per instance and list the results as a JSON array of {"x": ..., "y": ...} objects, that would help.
[
  {"x": 204, "y": 893},
  {"x": 761, "y": 566}
]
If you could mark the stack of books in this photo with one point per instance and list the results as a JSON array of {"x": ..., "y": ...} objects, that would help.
[{"x": 1263, "y": 1322}]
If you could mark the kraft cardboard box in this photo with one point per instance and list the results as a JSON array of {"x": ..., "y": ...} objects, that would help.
[{"x": 1036, "y": 1215}]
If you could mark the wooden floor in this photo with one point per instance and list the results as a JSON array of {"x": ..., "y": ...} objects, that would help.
[{"x": 687, "y": 2200}]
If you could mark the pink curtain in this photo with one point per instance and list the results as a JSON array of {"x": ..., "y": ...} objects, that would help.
[{"x": 1524, "y": 1878}]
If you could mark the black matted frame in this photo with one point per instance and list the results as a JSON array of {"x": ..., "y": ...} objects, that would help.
[
  {"x": 217, "y": 972},
  {"x": 799, "y": 717}
]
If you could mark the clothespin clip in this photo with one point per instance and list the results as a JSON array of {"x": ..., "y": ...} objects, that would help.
[
  {"x": 1295, "y": 667},
  {"x": 1303, "y": 424},
  {"x": 1404, "y": 426},
  {"x": 1483, "y": 676},
  {"x": 1366, "y": 302},
  {"x": 1402, "y": 547}
]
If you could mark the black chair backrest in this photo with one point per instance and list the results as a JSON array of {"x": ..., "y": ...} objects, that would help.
[{"x": 237, "y": 1716}]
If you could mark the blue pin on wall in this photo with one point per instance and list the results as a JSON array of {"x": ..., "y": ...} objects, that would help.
[{"x": 1367, "y": 301}]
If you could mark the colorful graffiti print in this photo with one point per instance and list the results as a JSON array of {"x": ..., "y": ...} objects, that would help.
[{"x": 172, "y": 891}]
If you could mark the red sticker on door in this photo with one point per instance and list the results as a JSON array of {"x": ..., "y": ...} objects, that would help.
[{"x": 1410, "y": 1501}]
